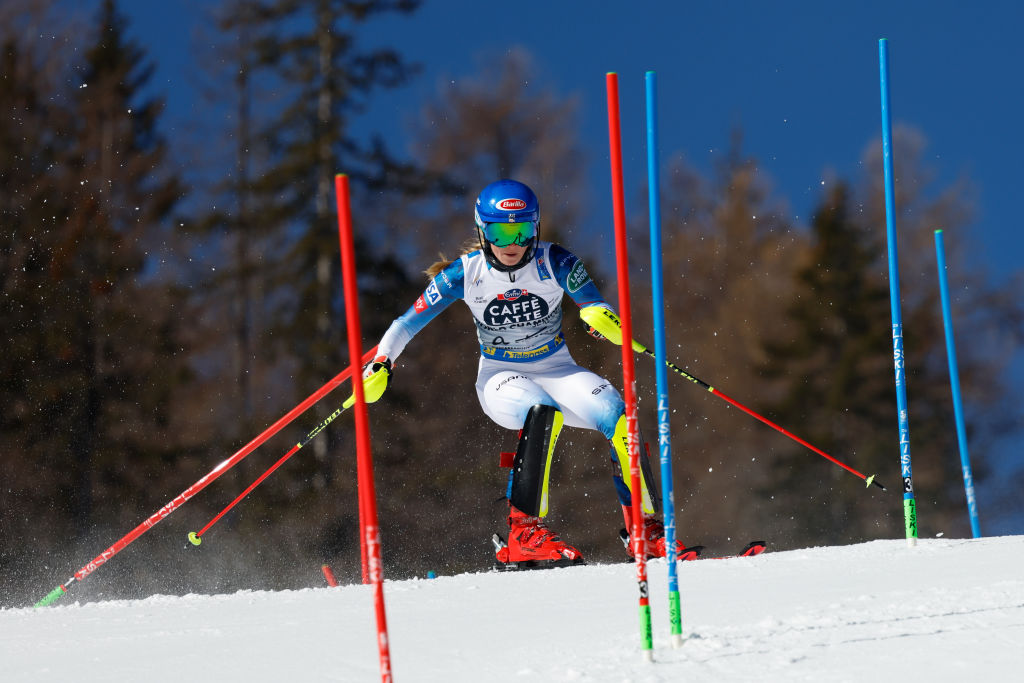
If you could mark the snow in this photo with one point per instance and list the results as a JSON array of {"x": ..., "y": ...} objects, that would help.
[{"x": 945, "y": 610}]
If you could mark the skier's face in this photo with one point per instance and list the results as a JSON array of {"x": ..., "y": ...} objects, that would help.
[{"x": 509, "y": 255}]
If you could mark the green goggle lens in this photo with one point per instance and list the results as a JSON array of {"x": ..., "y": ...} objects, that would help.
[{"x": 505, "y": 234}]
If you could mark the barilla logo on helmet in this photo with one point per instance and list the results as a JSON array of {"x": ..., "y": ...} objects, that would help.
[{"x": 512, "y": 204}]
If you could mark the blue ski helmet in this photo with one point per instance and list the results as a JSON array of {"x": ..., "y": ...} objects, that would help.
[{"x": 507, "y": 212}]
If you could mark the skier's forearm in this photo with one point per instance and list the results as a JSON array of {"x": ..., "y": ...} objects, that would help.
[{"x": 395, "y": 339}]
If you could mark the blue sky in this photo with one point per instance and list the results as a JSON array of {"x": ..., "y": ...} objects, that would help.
[{"x": 800, "y": 78}]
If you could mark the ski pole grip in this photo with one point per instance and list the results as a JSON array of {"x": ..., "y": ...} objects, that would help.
[
  {"x": 608, "y": 324},
  {"x": 51, "y": 597}
]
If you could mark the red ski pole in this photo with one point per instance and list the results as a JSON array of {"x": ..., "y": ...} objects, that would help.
[
  {"x": 195, "y": 538},
  {"x": 597, "y": 317},
  {"x": 216, "y": 472}
]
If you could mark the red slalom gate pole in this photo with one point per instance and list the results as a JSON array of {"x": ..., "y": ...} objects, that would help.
[
  {"x": 370, "y": 531},
  {"x": 191, "y": 491},
  {"x": 628, "y": 368},
  {"x": 329, "y": 576}
]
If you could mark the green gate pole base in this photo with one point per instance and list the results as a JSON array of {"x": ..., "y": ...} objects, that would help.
[
  {"x": 910, "y": 517},
  {"x": 51, "y": 597},
  {"x": 675, "y": 615}
]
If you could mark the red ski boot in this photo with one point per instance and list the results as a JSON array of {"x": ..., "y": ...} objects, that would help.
[
  {"x": 654, "y": 538},
  {"x": 531, "y": 545}
]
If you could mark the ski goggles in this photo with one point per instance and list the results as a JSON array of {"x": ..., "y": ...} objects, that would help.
[{"x": 507, "y": 234}]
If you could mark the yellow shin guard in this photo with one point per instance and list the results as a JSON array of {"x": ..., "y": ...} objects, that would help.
[{"x": 620, "y": 442}]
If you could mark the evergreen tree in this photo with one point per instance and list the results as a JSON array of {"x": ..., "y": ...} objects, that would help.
[
  {"x": 311, "y": 51},
  {"x": 282, "y": 285},
  {"x": 114, "y": 388},
  {"x": 36, "y": 471},
  {"x": 498, "y": 124},
  {"x": 832, "y": 363},
  {"x": 94, "y": 360},
  {"x": 727, "y": 250},
  {"x": 231, "y": 227},
  {"x": 987, "y": 315},
  {"x": 834, "y": 360}
]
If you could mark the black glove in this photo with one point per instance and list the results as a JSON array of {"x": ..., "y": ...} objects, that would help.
[{"x": 593, "y": 332}]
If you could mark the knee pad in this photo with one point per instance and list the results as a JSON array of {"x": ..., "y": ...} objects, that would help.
[
  {"x": 531, "y": 467},
  {"x": 620, "y": 444}
]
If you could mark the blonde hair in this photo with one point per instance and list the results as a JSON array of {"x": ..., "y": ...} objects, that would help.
[{"x": 468, "y": 247}]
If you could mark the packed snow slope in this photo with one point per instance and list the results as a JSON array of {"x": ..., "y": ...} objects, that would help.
[{"x": 945, "y": 610}]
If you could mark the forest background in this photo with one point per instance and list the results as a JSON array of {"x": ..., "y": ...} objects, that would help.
[{"x": 166, "y": 297}]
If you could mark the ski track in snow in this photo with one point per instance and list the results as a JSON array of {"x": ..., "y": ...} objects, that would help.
[{"x": 879, "y": 611}]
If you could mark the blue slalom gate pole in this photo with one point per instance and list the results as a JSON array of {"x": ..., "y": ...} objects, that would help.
[
  {"x": 909, "y": 504},
  {"x": 664, "y": 440},
  {"x": 954, "y": 383}
]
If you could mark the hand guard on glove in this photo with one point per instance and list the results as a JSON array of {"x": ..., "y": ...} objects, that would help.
[
  {"x": 376, "y": 379},
  {"x": 607, "y": 324}
]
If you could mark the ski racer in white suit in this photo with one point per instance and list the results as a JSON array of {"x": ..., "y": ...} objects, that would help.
[{"x": 514, "y": 285}]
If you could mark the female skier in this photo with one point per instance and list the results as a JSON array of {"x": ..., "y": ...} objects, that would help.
[{"x": 513, "y": 284}]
